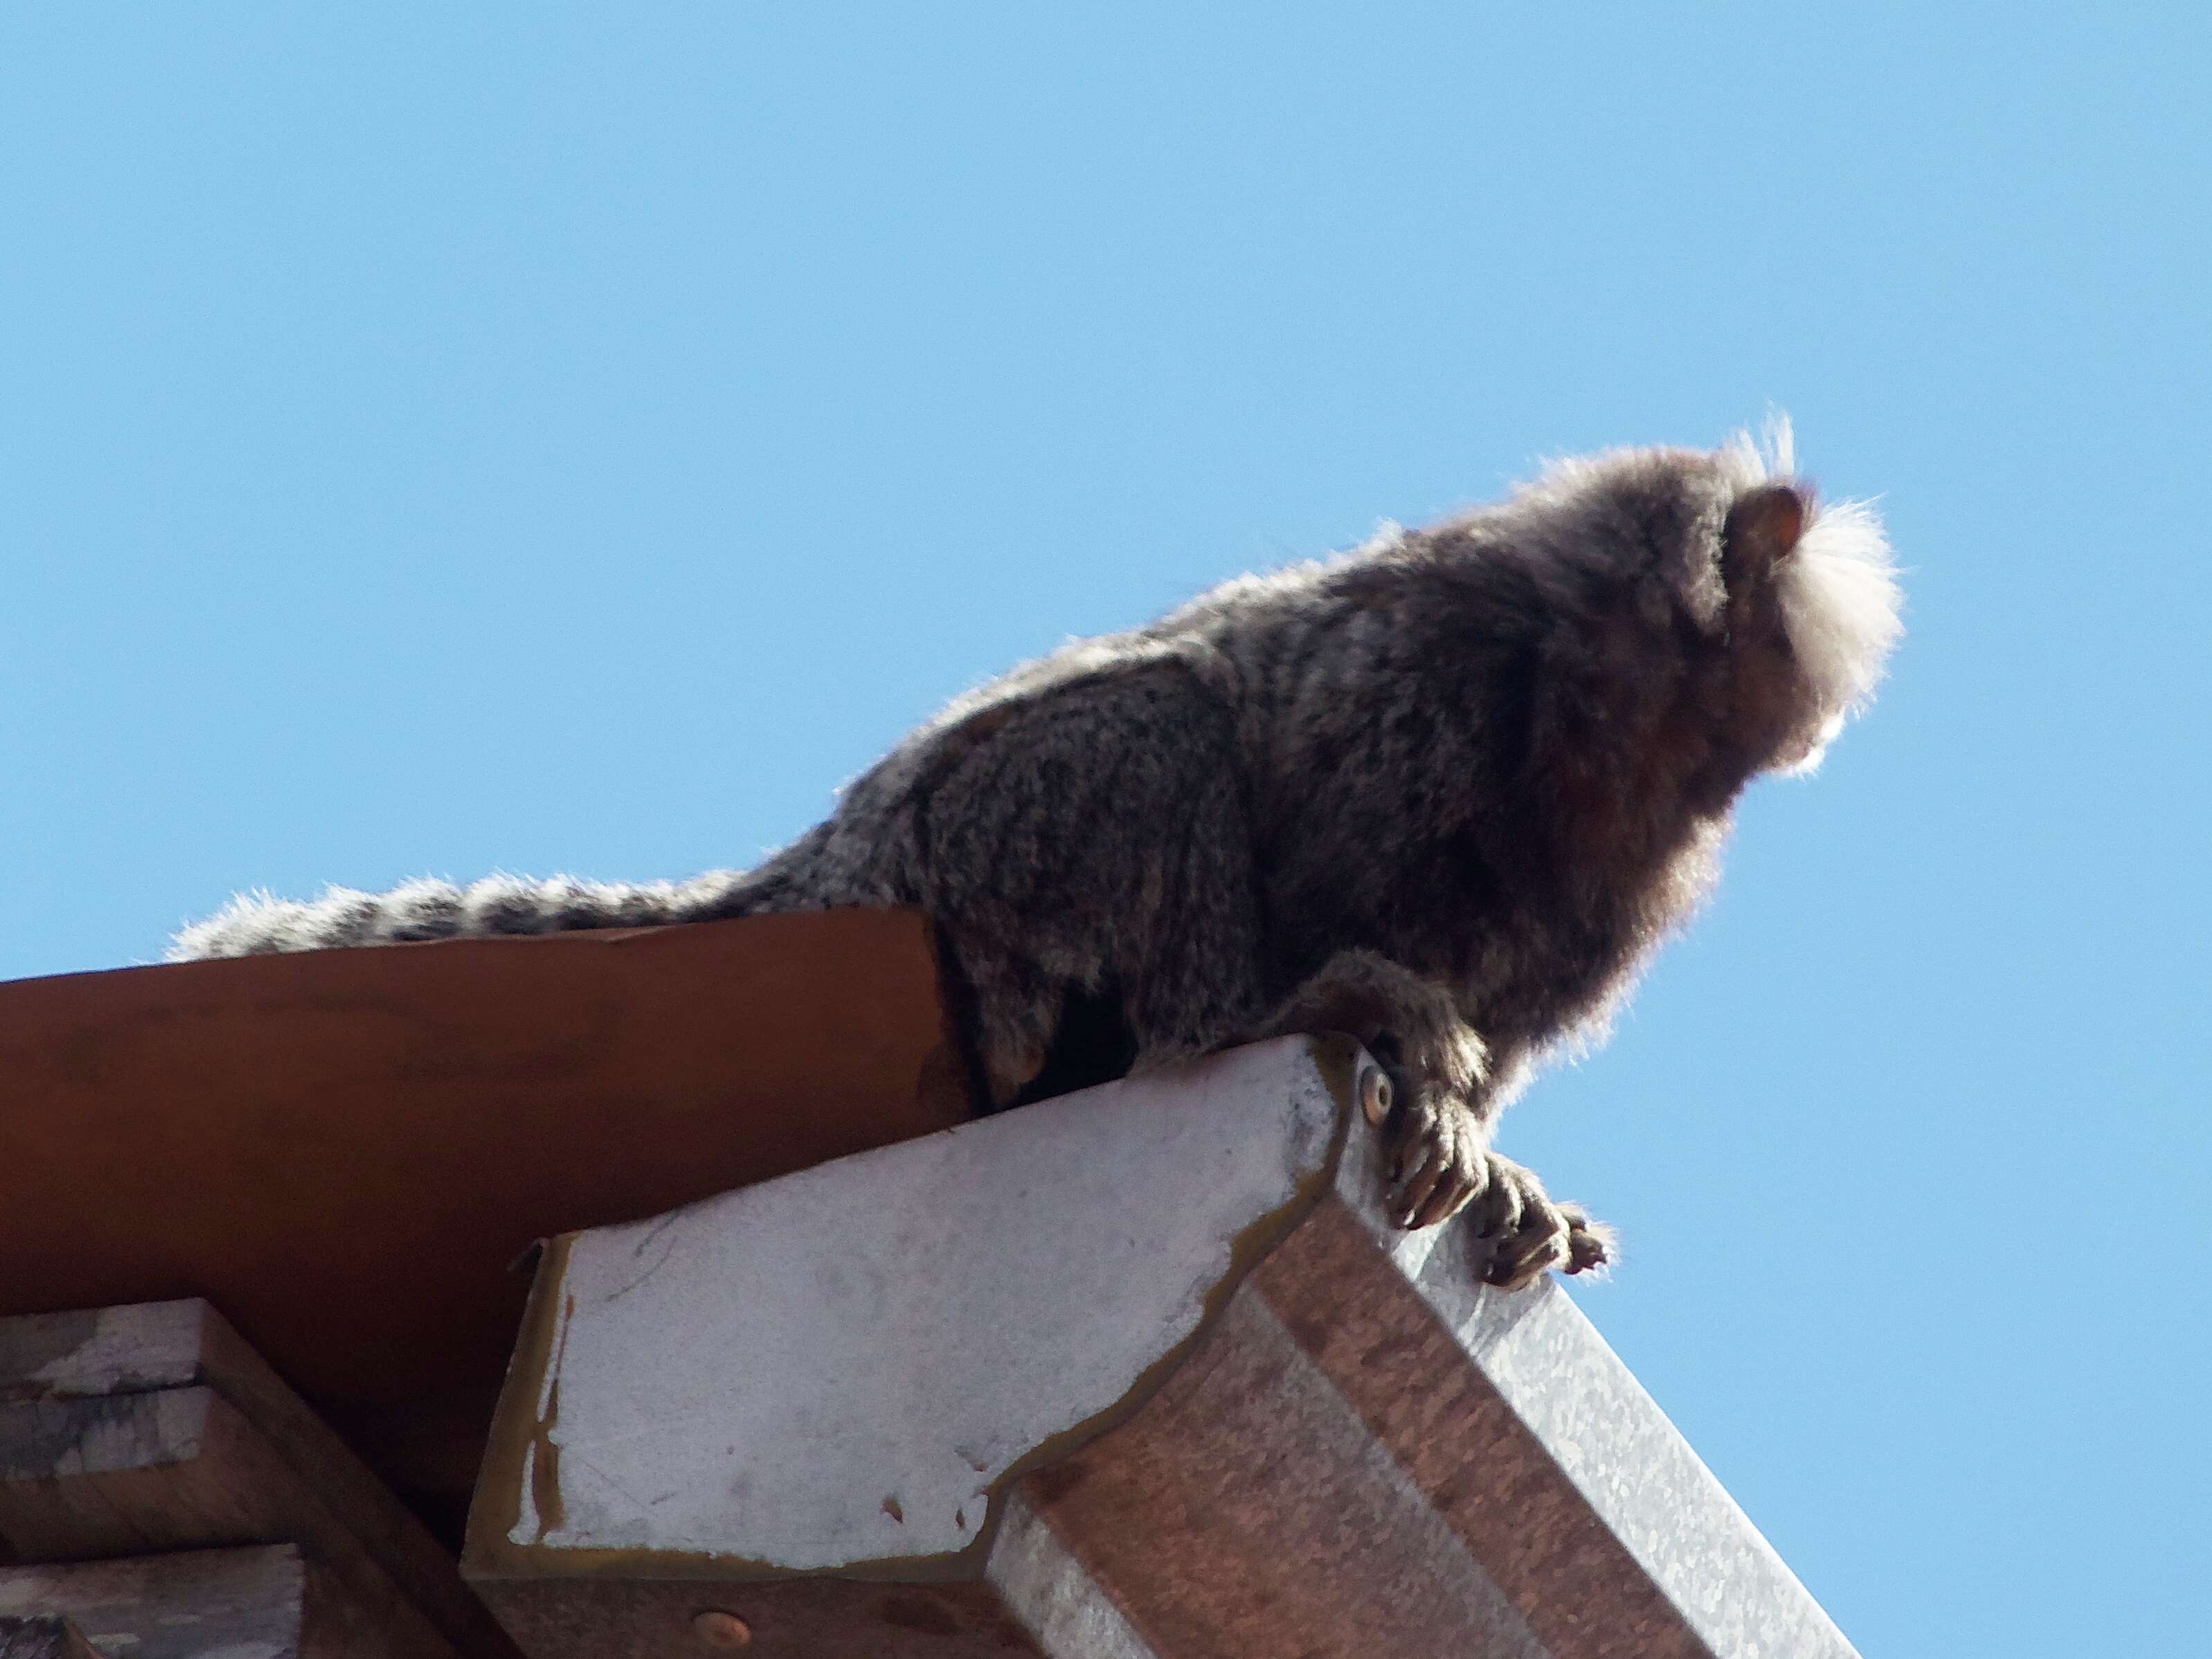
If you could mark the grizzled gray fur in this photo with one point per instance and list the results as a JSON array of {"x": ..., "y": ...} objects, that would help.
[{"x": 1445, "y": 792}]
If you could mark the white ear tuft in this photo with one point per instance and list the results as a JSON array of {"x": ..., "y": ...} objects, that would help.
[
  {"x": 1771, "y": 458},
  {"x": 1839, "y": 590},
  {"x": 1842, "y": 604}
]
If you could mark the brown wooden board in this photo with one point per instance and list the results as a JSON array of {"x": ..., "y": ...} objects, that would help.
[
  {"x": 346, "y": 1151},
  {"x": 43, "y": 1635},
  {"x": 268, "y": 1603},
  {"x": 614, "y": 1617},
  {"x": 154, "y": 1426}
]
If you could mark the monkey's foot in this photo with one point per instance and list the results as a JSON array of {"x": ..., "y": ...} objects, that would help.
[{"x": 1514, "y": 1230}]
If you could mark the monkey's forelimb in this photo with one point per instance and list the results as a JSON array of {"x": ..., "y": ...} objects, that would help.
[{"x": 1444, "y": 1112}]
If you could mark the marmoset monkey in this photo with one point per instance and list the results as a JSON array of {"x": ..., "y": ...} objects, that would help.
[{"x": 1445, "y": 793}]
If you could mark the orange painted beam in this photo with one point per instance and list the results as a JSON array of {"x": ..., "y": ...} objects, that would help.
[{"x": 346, "y": 1151}]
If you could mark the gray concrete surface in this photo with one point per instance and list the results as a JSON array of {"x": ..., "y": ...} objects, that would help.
[{"x": 1142, "y": 1373}]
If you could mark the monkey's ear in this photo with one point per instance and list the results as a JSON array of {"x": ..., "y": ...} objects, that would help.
[{"x": 1764, "y": 524}]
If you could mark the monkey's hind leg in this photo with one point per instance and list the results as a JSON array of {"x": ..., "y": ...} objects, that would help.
[
  {"x": 1513, "y": 1230},
  {"x": 1088, "y": 858}
]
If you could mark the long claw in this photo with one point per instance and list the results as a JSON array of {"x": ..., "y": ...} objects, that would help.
[
  {"x": 1443, "y": 1202},
  {"x": 1418, "y": 1191}
]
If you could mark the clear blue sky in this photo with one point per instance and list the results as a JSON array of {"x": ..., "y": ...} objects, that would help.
[{"x": 441, "y": 439}]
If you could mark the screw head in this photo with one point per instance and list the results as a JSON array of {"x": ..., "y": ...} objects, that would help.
[
  {"x": 1374, "y": 1093},
  {"x": 718, "y": 1629}
]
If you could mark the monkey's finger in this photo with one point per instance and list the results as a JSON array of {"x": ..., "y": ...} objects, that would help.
[
  {"x": 1445, "y": 1200},
  {"x": 1414, "y": 1194},
  {"x": 1419, "y": 1186},
  {"x": 1524, "y": 1267},
  {"x": 1498, "y": 1212},
  {"x": 1412, "y": 1135},
  {"x": 1539, "y": 1245},
  {"x": 1590, "y": 1244}
]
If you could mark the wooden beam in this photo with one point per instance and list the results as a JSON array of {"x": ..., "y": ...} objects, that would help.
[
  {"x": 265, "y": 1603},
  {"x": 346, "y": 1151},
  {"x": 44, "y": 1636},
  {"x": 156, "y": 1427}
]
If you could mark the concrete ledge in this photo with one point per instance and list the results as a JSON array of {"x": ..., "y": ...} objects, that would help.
[{"x": 1142, "y": 1372}]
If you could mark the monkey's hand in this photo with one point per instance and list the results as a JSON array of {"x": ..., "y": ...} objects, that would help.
[
  {"x": 1437, "y": 1115},
  {"x": 1439, "y": 1147}
]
